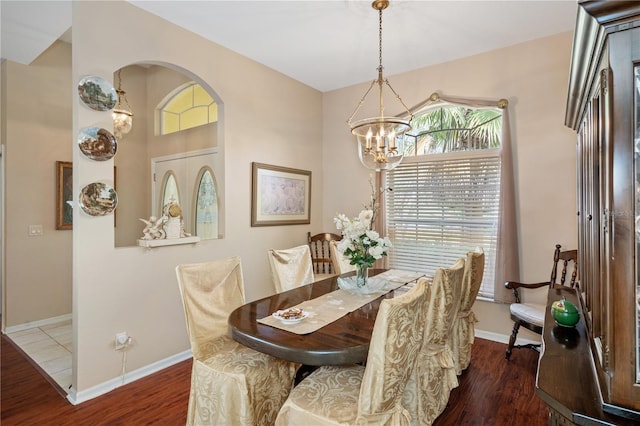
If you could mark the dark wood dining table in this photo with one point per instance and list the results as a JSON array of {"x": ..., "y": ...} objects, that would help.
[{"x": 344, "y": 341}]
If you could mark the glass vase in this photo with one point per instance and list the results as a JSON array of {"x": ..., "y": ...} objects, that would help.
[{"x": 362, "y": 275}]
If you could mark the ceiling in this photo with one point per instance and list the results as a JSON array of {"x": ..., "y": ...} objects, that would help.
[{"x": 326, "y": 44}]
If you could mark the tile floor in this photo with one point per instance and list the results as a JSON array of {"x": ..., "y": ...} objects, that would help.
[{"x": 50, "y": 347}]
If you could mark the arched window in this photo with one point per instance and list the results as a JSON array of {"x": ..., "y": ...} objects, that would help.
[
  {"x": 453, "y": 190},
  {"x": 189, "y": 107},
  {"x": 170, "y": 190},
  {"x": 206, "y": 205}
]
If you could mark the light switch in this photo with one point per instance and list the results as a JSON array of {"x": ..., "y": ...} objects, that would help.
[{"x": 35, "y": 230}]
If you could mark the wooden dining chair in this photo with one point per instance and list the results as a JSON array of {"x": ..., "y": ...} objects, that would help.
[
  {"x": 350, "y": 395},
  {"x": 463, "y": 333},
  {"x": 531, "y": 315},
  {"x": 321, "y": 253},
  {"x": 429, "y": 387},
  {"x": 230, "y": 383},
  {"x": 340, "y": 262},
  {"x": 291, "y": 268}
]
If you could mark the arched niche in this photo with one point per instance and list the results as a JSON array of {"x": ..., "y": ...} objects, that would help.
[{"x": 145, "y": 155}]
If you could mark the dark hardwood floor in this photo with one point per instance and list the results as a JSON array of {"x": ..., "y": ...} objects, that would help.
[{"x": 492, "y": 391}]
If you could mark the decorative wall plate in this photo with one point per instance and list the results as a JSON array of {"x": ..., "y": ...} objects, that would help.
[
  {"x": 98, "y": 199},
  {"x": 97, "y": 93},
  {"x": 97, "y": 144}
]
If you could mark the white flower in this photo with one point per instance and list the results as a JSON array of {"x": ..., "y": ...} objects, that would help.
[
  {"x": 373, "y": 235},
  {"x": 365, "y": 216},
  {"x": 376, "y": 252},
  {"x": 344, "y": 244}
]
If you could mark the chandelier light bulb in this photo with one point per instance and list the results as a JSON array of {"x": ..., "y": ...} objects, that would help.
[
  {"x": 122, "y": 122},
  {"x": 122, "y": 115}
]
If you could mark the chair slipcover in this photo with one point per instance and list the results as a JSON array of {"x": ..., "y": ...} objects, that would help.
[
  {"x": 230, "y": 383},
  {"x": 340, "y": 262},
  {"x": 355, "y": 395},
  {"x": 428, "y": 389},
  {"x": 291, "y": 268},
  {"x": 463, "y": 333}
]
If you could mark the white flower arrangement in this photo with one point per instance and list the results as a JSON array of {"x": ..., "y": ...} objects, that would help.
[{"x": 360, "y": 244}]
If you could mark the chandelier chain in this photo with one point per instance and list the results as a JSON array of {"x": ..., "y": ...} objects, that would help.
[{"x": 380, "y": 40}]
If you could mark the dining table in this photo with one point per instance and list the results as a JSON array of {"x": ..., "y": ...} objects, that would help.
[{"x": 344, "y": 340}]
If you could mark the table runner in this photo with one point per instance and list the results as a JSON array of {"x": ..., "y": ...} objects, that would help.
[{"x": 329, "y": 307}]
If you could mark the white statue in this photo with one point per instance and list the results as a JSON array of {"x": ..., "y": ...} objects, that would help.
[
  {"x": 154, "y": 229},
  {"x": 169, "y": 225},
  {"x": 174, "y": 223}
]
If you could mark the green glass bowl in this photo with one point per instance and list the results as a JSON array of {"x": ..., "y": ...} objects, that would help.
[{"x": 565, "y": 313}]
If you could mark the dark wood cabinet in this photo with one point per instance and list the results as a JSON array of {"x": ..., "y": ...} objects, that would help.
[{"x": 603, "y": 106}]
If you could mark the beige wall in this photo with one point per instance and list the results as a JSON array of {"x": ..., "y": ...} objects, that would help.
[
  {"x": 533, "y": 77},
  {"x": 36, "y": 134},
  {"x": 133, "y": 289}
]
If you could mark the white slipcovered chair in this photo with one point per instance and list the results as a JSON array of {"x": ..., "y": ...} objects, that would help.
[
  {"x": 340, "y": 262},
  {"x": 428, "y": 389},
  {"x": 463, "y": 333},
  {"x": 354, "y": 395},
  {"x": 230, "y": 383},
  {"x": 291, "y": 268}
]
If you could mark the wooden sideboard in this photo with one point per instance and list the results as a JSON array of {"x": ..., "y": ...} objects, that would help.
[{"x": 566, "y": 379}]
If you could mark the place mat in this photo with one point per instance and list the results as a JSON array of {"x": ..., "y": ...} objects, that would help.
[{"x": 332, "y": 306}]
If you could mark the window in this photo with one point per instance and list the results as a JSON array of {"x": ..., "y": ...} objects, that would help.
[
  {"x": 189, "y": 107},
  {"x": 170, "y": 190},
  {"x": 446, "y": 194},
  {"x": 206, "y": 206},
  {"x": 189, "y": 178}
]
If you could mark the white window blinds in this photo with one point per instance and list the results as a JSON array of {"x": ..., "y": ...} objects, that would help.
[{"x": 442, "y": 206}]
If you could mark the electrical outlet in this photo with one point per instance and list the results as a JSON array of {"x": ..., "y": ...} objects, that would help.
[{"x": 122, "y": 340}]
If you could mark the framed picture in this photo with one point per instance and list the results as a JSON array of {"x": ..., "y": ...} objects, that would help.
[
  {"x": 280, "y": 196},
  {"x": 64, "y": 195}
]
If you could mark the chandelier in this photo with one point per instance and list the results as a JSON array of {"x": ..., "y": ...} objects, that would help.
[
  {"x": 381, "y": 138},
  {"x": 122, "y": 115}
]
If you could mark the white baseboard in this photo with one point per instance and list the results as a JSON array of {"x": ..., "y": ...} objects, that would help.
[
  {"x": 503, "y": 338},
  {"x": 95, "y": 391},
  {"x": 79, "y": 397},
  {"x": 39, "y": 323}
]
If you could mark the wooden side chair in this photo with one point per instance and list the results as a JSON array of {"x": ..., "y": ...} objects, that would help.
[
  {"x": 230, "y": 383},
  {"x": 531, "y": 315},
  {"x": 321, "y": 253},
  {"x": 291, "y": 268}
]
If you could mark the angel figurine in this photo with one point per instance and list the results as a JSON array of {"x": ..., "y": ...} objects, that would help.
[{"x": 154, "y": 229}]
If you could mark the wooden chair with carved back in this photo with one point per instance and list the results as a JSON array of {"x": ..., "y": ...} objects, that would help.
[
  {"x": 321, "y": 253},
  {"x": 531, "y": 315}
]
